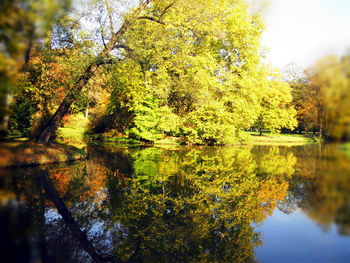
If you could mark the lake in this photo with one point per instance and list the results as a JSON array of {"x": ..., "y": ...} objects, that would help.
[{"x": 180, "y": 204}]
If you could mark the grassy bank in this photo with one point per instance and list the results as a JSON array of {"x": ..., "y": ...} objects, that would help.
[
  {"x": 280, "y": 139},
  {"x": 75, "y": 129},
  {"x": 345, "y": 148},
  {"x": 26, "y": 153},
  {"x": 252, "y": 138}
]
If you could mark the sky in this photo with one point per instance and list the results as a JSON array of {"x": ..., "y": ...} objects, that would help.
[{"x": 302, "y": 31}]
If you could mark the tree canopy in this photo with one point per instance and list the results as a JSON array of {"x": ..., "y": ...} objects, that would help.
[
  {"x": 192, "y": 70},
  {"x": 322, "y": 98}
]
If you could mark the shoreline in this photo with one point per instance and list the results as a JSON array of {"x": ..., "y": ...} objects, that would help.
[{"x": 26, "y": 153}]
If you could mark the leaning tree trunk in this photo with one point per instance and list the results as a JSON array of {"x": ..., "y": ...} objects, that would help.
[
  {"x": 52, "y": 125},
  {"x": 62, "y": 209},
  {"x": 65, "y": 105}
]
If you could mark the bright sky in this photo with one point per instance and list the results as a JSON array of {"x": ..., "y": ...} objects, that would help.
[{"x": 302, "y": 31}]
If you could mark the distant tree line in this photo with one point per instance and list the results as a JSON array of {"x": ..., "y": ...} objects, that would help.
[{"x": 321, "y": 97}]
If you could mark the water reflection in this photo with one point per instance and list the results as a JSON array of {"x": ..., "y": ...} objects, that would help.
[
  {"x": 154, "y": 205},
  {"x": 321, "y": 188}
]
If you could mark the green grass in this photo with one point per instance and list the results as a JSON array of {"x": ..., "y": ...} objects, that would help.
[
  {"x": 73, "y": 132},
  {"x": 72, "y": 135},
  {"x": 345, "y": 148},
  {"x": 280, "y": 139}
]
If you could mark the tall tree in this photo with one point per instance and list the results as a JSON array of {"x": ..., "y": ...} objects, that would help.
[
  {"x": 21, "y": 23},
  {"x": 88, "y": 73},
  {"x": 201, "y": 62},
  {"x": 276, "y": 110},
  {"x": 325, "y": 98}
]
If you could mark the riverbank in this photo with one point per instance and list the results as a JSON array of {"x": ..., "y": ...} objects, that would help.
[
  {"x": 345, "y": 148},
  {"x": 26, "y": 153},
  {"x": 280, "y": 139},
  {"x": 252, "y": 138},
  {"x": 75, "y": 132}
]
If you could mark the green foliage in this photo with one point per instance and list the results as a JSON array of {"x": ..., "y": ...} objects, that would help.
[
  {"x": 331, "y": 78},
  {"x": 146, "y": 121},
  {"x": 185, "y": 69},
  {"x": 21, "y": 117},
  {"x": 169, "y": 122},
  {"x": 209, "y": 124},
  {"x": 276, "y": 111},
  {"x": 202, "y": 66},
  {"x": 22, "y": 22}
]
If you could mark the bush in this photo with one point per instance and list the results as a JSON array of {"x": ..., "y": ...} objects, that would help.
[
  {"x": 145, "y": 125},
  {"x": 209, "y": 125},
  {"x": 21, "y": 118}
]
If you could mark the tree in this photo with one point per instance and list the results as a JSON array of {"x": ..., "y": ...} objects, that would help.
[
  {"x": 325, "y": 98},
  {"x": 197, "y": 63},
  {"x": 201, "y": 63},
  {"x": 276, "y": 111},
  {"x": 90, "y": 70},
  {"x": 332, "y": 80},
  {"x": 22, "y": 22}
]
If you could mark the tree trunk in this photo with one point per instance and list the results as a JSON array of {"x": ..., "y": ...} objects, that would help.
[
  {"x": 85, "y": 77},
  {"x": 319, "y": 113},
  {"x": 87, "y": 112},
  {"x": 65, "y": 105},
  {"x": 67, "y": 217}
]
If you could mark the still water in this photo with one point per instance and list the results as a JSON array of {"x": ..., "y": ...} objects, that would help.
[{"x": 198, "y": 204}]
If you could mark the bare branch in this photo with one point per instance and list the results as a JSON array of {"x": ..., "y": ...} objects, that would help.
[
  {"x": 151, "y": 19},
  {"x": 110, "y": 17},
  {"x": 124, "y": 47},
  {"x": 158, "y": 20},
  {"x": 102, "y": 36},
  {"x": 166, "y": 9}
]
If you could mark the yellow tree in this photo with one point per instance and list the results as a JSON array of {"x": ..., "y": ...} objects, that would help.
[
  {"x": 327, "y": 99},
  {"x": 21, "y": 23},
  {"x": 276, "y": 110},
  {"x": 201, "y": 64}
]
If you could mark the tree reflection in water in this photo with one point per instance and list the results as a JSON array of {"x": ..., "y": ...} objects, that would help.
[
  {"x": 321, "y": 187},
  {"x": 202, "y": 209},
  {"x": 150, "y": 204}
]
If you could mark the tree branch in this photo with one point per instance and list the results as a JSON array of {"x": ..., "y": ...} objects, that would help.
[
  {"x": 124, "y": 47},
  {"x": 108, "y": 61},
  {"x": 102, "y": 36},
  {"x": 110, "y": 17},
  {"x": 151, "y": 19},
  {"x": 166, "y": 9}
]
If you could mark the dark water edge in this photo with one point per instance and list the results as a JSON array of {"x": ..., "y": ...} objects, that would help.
[{"x": 187, "y": 204}]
